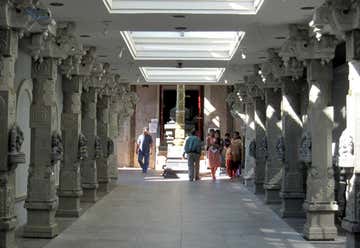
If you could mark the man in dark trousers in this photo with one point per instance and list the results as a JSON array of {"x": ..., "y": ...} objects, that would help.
[
  {"x": 193, "y": 149},
  {"x": 144, "y": 146}
]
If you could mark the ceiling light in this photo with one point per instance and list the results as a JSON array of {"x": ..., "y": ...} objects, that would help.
[
  {"x": 179, "y": 7},
  {"x": 180, "y": 28},
  {"x": 280, "y": 37},
  {"x": 307, "y": 8},
  {"x": 243, "y": 55},
  {"x": 184, "y": 45},
  {"x": 102, "y": 56},
  {"x": 56, "y": 4},
  {"x": 178, "y": 16},
  {"x": 262, "y": 57},
  {"x": 85, "y": 36},
  {"x": 182, "y": 75}
]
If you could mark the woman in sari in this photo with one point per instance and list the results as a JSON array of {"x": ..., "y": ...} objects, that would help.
[{"x": 214, "y": 154}]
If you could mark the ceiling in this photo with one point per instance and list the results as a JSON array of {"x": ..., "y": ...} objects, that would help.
[{"x": 266, "y": 29}]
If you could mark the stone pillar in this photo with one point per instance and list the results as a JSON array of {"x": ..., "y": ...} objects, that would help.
[
  {"x": 69, "y": 190},
  {"x": 273, "y": 168},
  {"x": 292, "y": 193},
  {"x": 320, "y": 205},
  {"x": 103, "y": 128},
  {"x": 42, "y": 201},
  {"x": 351, "y": 222},
  {"x": 260, "y": 137},
  {"x": 114, "y": 133},
  {"x": 89, "y": 180},
  {"x": 180, "y": 114},
  {"x": 250, "y": 146},
  {"x": 10, "y": 137}
]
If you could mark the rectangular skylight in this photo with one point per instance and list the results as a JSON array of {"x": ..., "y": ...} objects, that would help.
[
  {"x": 146, "y": 45},
  {"x": 181, "y": 75},
  {"x": 234, "y": 7}
]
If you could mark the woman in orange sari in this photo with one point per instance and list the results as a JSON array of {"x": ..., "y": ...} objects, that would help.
[{"x": 214, "y": 154}]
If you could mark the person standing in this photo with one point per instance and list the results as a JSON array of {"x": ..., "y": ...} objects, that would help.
[
  {"x": 236, "y": 153},
  {"x": 214, "y": 154},
  {"x": 144, "y": 146},
  {"x": 193, "y": 149}
]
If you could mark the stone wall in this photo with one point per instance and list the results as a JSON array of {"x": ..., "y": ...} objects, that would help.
[
  {"x": 146, "y": 109},
  {"x": 123, "y": 144}
]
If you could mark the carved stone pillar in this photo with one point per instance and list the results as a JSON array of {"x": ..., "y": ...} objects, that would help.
[
  {"x": 260, "y": 136},
  {"x": 10, "y": 137},
  {"x": 42, "y": 201},
  {"x": 351, "y": 222},
  {"x": 180, "y": 115},
  {"x": 292, "y": 193},
  {"x": 250, "y": 145},
  {"x": 69, "y": 190},
  {"x": 89, "y": 180},
  {"x": 103, "y": 129},
  {"x": 114, "y": 133},
  {"x": 320, "y": 205},
  {"x": 273, "y": 169}
]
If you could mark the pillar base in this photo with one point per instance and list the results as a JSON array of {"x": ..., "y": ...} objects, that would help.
[
  {"x": 41, "y": 221},
  {"x": 320, "y": 224},
  {"x": 104, "y": 187},
  {"x": 352, "y": 233},
  {"x": 7, "y": 233},
  {"x": 69, "y": 204},
  {"x": 259, "y": 188},
  {"x": 272, "y": 196},
  {"x": 89, "y": 195},
  {"x": 292, "y": 205}
]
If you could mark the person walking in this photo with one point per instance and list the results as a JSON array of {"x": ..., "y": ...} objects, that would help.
[
  {"x": 193, "y": 149},
  {"x": 214, "y": 154},
  {"x": 236, "y": 153},
  {"x": 144, "y": 147}
]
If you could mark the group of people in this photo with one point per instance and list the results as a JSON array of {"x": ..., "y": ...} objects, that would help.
[{"x": 227, "y": 152}]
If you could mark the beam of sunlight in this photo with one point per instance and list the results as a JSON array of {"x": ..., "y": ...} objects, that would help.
[
  {"x": 314, "y": 94},
  {"x": 216, "y": 121},
  {"x": 208, "y": 107},
  {"x": 270, "y": 111},
  {"x": 290, "y": 111},
  {"x": 259, "y": 122}
]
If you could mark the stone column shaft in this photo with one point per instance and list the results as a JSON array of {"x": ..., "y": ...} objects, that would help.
[
  {"x": 274, "y": 166},
  {"x": 114, "y": 133},
  {"x": 351, "y": 221},
  {"x": 292, "y": 193},
  {"x": 260, "y": 129},
  {"x": 320, "y": 205},
  {"x": 69, "y": 190},
  {"x": 89, "y": 181},
  {"x": 180, "y": 114},
  {"x": 8, "y": 55},
  {"x": 249, "y": 146},
  {"x": 42, "y": 201},
  {"x": 102, "y": 163}
]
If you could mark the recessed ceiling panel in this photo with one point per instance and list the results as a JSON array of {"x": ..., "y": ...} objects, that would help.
[
  {"x": 244, "y": 7},
  {"x": 181, "y": 75},
  {"x": 182, "y": 45}
]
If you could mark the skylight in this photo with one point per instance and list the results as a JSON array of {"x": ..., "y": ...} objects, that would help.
[
  {"x": 182, "y": 75},
  {"x": 234, "y": 7},
  {"x": 146, "y": 45}
]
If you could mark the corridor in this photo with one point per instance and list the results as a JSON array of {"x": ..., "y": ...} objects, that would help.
[{"x": 154, "y": 213}]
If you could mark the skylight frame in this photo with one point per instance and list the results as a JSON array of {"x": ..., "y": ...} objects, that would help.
[
  {"x": 182, "y": 75},
  {"x": 231, "y": 7},
  {"x": 168, "y": 45}
]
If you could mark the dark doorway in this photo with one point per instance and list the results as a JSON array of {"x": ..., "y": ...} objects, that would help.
[{"x": 193, "y": 105}]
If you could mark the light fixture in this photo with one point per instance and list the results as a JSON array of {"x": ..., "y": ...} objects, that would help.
[
  {"x": 182, "y": 75},
  {"x": 243, "y": 54},
  {"x": 182, "y": 45},
  {"x": 56, "y": 4},
  {"x": 85, "y": 36},
  {"x": 307, "y": 8}
]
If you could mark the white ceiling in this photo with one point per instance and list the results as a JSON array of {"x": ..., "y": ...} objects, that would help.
[{"x": 262, "y": 32}]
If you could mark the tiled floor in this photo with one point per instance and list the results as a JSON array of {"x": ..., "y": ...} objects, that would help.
[{"x": 154, "y": 213}]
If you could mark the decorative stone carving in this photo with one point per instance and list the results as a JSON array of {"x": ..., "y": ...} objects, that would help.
[
  {"x": 305, "y": 154},
  {"x": 110, "y": 147},
  {"x": 252, "y": 149},
  {"x": 264, "y": 147},
  {"x": 280, "y": 149},
  {"x": 83, "y": 151},
  {"x": 16, "y": 139},
  {"x": 98, "y": 148},
  {"x": 346, "y": 150},
  {"x": 56, "y": 148}
]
